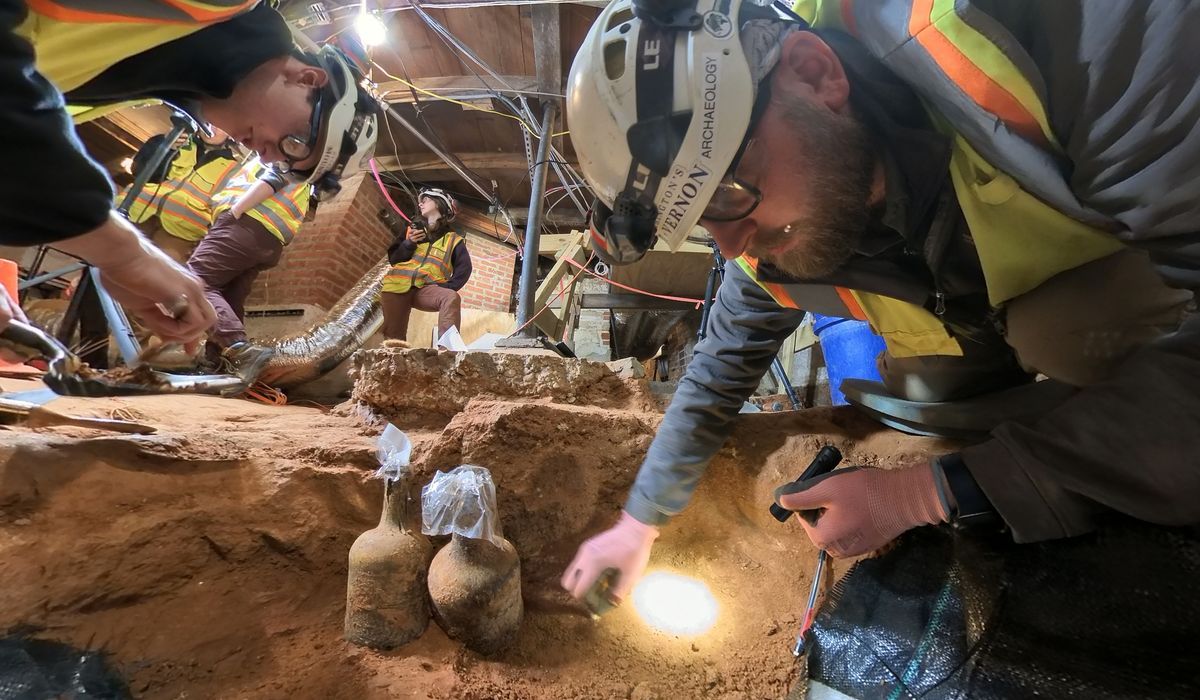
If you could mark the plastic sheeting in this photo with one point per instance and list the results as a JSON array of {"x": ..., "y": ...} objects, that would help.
[
  {"x": 461, "y": 502},
  {"x": 394, "y": 450},
  {"x": 1115, "y": 614},
  {"x": 38, "y": 669}
]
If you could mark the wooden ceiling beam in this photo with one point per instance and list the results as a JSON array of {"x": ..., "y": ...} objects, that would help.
[
  {"x": 459, "y": 87},
  {"x": 429, "y": 167},
  {"x": 547, "y": 48}
]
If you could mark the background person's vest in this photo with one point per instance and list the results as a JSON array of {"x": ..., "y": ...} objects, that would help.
[
  {"x": 1001, "y": 134},
  {"x": 282, "y": 214},
  {"x": 430, "y": 264},
  {"x": 184, "y": 204}
]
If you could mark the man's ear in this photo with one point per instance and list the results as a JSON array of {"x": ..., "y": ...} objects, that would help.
[
  {"x": 301, "y": 73},
  {"x": 808, "y": 67}
]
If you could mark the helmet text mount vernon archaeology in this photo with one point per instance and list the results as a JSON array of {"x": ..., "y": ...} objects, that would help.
[{"x": 661, "y": 95}]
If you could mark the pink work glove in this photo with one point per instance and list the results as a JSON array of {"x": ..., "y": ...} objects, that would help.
[
  {"x": 865, "y": 508},
  {"x": 625, "y": 547}
]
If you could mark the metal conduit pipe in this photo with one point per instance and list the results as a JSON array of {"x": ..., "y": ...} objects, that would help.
[
  {"x": 357, "y": 316},
  {"x": 533, "y": 226}
]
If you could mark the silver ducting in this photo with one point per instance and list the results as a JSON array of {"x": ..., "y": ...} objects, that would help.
[{"x": 357, "y": 316}]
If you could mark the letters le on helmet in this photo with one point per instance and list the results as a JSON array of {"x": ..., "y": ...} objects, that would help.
[{"x": 660, "y": 97}]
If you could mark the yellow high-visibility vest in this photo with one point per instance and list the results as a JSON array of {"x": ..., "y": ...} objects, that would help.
[
  {"x": 76, "y": 40},
  {"x": 184, "y": 204},
  {"x": 1023, "y": 238},
  {"x": 282, "y": 214},
  {"x": 430, "y": 264}
]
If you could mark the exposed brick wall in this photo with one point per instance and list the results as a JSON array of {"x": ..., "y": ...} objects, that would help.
[
  {"x": 493, "y": 276},
  {"x": 333, "y": 251},
  {"x": 346, "y": 239}
]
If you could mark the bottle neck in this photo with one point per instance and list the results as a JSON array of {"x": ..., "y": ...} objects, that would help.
[
  {"x": 395, "y": 504},
  {"x": 475, "y": 548}
]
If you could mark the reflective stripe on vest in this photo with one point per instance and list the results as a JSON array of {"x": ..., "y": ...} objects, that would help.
[
  {"x": 430, "y": 264},
  {"x": 970, "y": 70},
  {"x": 184, "y": 207},
  {"x": 977, "y": 82},
  {"x": 139, "y": 11},
  {"x": 907, "y": 329},
  {"x": 76, "y": 40},
  {"x": 282, "y": 214}
]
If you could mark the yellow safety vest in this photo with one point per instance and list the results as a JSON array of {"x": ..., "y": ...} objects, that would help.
[
  {"x": 282, "y": 214},
  {"x": 1023, "y": 238},
  {"x": 184, "y": 205},
  {"x": 430, "y": 264},
  {"x": 76, "y": 40}
]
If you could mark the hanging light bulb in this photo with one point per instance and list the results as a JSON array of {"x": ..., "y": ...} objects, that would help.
[{"x": 371, "y": 29}]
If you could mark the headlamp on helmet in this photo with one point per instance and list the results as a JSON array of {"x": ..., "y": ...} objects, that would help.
[
  {"x": 342, "y": 131},
  {"x": 661, "y": 96}
]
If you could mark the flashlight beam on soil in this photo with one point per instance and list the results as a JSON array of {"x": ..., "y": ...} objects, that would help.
[{"x": 675, "y": 604}]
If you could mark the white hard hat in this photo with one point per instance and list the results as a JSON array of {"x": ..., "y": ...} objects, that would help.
[
  {"x": 659, "y": 100},
  {"x": 449, "y": 206},
  {"x": 349, "y": 124}
]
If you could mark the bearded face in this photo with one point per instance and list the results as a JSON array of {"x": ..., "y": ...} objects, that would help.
[{"x": 834, "y": 160}]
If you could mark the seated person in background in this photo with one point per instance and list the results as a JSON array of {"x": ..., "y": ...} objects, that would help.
[
  {"x": 430, "y": 263},
  {"x": 254, "y": 216},
  {"x": 174, "y": 209}
]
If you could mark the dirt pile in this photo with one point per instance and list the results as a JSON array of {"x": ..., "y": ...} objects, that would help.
[
  {"x": 417, "y": 384},
  {"x": 210, "y": 558}
]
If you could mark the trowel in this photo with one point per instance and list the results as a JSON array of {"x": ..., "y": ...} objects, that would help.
[
  {"x": 31, "y": 415},
  {"x": 67, "y": 375}
]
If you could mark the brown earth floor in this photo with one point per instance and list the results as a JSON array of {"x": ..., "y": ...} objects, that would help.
[{"x": 210, "y": 558}]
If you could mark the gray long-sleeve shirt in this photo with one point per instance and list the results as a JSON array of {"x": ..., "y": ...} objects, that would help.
[{"x": 1121, "y": 84}]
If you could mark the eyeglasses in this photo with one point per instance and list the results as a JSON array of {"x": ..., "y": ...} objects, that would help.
[
  {"x": 735, "y": 198},
  {"x": 296, "y": 149}
]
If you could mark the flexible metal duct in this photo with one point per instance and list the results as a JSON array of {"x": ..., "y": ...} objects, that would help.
[{"x": 353, "y": 319}]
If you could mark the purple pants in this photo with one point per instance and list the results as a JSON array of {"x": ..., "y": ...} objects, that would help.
[{"x": 227, "y": 261}]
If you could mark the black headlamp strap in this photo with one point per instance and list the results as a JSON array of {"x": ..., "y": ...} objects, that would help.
[{"x": 655, "y": 76}]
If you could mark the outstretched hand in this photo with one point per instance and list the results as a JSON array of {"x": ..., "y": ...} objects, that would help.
[{"x": 165, "y": 297}]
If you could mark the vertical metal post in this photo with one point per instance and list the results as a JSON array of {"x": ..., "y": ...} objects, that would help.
[{"x": 533, "y": 225}]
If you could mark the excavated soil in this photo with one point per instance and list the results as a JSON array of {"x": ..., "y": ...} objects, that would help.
[{"x": 209, "y": 559}]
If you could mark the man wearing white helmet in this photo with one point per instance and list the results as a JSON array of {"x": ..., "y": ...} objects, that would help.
[
  {"x": 1003, "y": 188},
  {"x": 231, "y": 63}
]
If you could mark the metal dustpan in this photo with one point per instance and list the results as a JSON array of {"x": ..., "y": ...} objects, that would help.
[{"x": 67, "y": 375}]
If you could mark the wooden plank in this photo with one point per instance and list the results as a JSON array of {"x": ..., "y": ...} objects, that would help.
[
  {"x": 430, "y": 167},
  {"x": 546, "y": 320},
  {"x": 527, "y": 39},
  {"x": 565, "y": 214},
  {"x": 547, "y": 48},
  {"x": 506, "y": 33},
  {"x": 459, "y": 87}
]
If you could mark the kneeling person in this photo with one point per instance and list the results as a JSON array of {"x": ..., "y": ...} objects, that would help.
[
  {"x": 430, "y": 263},
  {"x": 254, "y": 217}
]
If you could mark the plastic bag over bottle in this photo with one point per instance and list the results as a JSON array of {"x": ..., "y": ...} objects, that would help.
[
  {"x": 461, "y": 502},
  {"x": 394, "y": 450}
]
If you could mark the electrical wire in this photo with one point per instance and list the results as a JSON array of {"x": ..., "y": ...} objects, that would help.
[
  {"x": 444, "y": 98},
  {"x": 635, "y": 290},
  {"x": 386, "y": 194}
]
